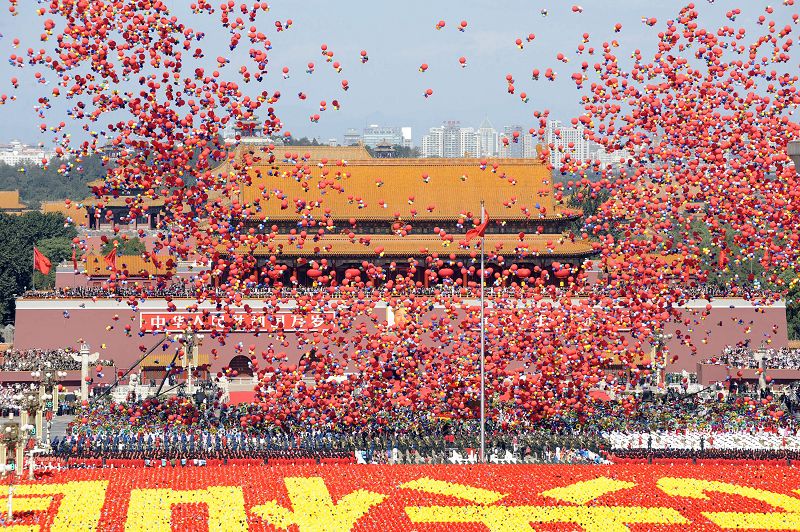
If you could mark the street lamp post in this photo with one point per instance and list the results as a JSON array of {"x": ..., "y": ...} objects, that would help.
[
  {"x": 657, "y": 362},
  {"x": 10, "y": 436},
  {"x": 48, "y": 393},
  {"x": 191, "y": 346},
  {"x": 29, "y": 407}
]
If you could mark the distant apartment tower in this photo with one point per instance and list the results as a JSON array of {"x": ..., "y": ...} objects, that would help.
[
  {"x": 351, "y": 137},
  {"x": 605, "y": 159},
  {"x": 408, "y": 141},
  {"x": 487, "y": 139},
  {"x": 523, "y": 148},
  {"x": 469, "y": 142},
  {"x": 432, "y": 143},
  {"x": 451, "y": 139},
  {"x": 566, "y": 140}
]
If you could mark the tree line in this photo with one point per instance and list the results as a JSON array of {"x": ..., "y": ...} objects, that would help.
[{"x": 50, "y": 233}]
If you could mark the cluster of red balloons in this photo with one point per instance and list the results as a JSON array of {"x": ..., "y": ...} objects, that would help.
[{"x": 696, "y": 183}]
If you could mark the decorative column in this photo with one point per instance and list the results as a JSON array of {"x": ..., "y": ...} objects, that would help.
[
  {"x": 38, "y": 420},
  {"x": 18, "y": 458},
  {"x": 84, "y": 372},
  {"x": 85, "y": 358}
]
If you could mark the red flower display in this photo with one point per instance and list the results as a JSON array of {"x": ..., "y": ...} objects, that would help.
[{"x": 428, "y": 497}]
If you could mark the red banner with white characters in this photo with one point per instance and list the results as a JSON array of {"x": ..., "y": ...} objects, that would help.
[
  {"x": 499, "y": 498},
  {"x": 239, "y": 321}
]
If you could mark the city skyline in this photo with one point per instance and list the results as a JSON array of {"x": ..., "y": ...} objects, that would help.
[{"x": 452, "y": 140}]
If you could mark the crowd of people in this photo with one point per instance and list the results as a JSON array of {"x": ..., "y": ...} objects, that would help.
[
  {"x": 745, "y": 357},
  {"x": 43, "y": 359},
  {"x": 37, "y": 359},
  {"x": 180, "y": 428}
]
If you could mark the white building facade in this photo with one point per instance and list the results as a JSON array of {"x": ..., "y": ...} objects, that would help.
[
  {"x": 566, "y": 140},
  {"x": 17, "y": 153}
]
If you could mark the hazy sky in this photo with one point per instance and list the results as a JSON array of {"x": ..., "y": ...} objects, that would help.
[{"x": 399, "y": 36}]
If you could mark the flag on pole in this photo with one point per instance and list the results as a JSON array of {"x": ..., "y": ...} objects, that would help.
[
  {"x": 111, "y": 259},
  {"x": 479, "y": 230},
  {"x": 74, "y": 260},
  {"x": 40, "y": 262}
]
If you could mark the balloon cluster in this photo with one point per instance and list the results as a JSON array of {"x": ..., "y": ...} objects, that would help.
[{"x": 701, "y": 186}]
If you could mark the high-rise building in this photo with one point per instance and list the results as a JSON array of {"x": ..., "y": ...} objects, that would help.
[
  {"x": 408, "y": 140},
  {"x": 606, "y": 159},
  {"x": 352, "y": 137},
  {"x": 488, "y": 140},
  {"x": 521, "y": 146},
  {"x": 469, "y": 142},
  {"x": 432, "y": 143},
  {"x": 451, "y": 139},
  {"x": 566, "y": 141}
]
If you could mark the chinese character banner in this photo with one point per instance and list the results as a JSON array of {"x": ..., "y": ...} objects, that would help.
[{"x": 240, "y": 321}]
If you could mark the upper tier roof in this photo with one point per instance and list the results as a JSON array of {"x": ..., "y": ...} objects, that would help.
[
  {"x": 131, "y": 265},
  {"x": 385, "y": 189}
]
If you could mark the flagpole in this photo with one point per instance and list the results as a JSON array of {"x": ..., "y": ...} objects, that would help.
[
  {"x": 33, "y": 273},
  {"x": 483, "y": 345}
]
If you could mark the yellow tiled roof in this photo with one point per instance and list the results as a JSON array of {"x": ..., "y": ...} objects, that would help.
[
  {"x": 160, "y": 360},
  {"x": 415, "y": 245},
  {"x": 421, "y": 189},
  {"x": 131, "y": 266},
  {"x": 9, "y": 200},
  {"x": 78, "y": 215}
]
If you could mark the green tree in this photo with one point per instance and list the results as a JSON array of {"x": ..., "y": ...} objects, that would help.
[
  {"x": 302, "y": 141},
  {"x": 128, "y": 246},
  {"x": 18, "y": 235},
  {"x": 793, "y": 309},
  {"x": 52, "y": 182}
]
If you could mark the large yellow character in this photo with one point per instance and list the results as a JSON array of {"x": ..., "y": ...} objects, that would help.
[
  {"x": 151, "y": 509},
  {"x": 79, "y": 509},
  {"x": 696, "y": 489},
  {"x": 498, "y": 518},
  {"x": 314, "y": 509}
]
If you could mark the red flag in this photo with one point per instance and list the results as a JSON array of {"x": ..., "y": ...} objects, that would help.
[
  {"x": 111, "y": 259},
  {"x": 74, "y": 261},
  {"x": 40, "y": 262},
  {"x": 480, "y": 230}
]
